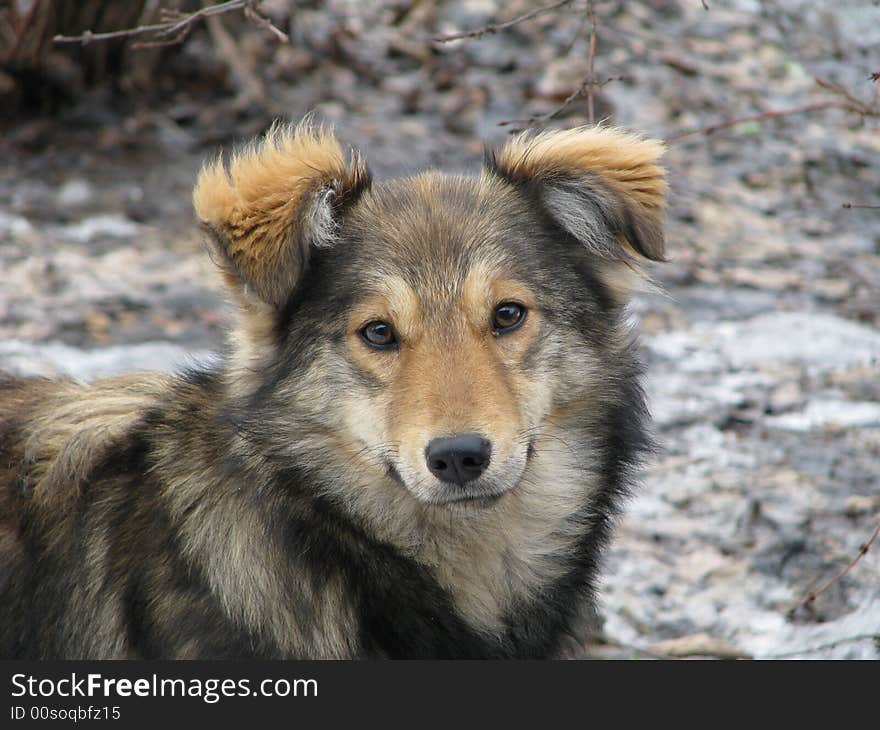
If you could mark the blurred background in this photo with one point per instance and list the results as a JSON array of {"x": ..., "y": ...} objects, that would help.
[{"x": 763, "y": 350}]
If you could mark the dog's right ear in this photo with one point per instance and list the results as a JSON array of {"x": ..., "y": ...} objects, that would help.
[
  {"x": 274, "y": 202},
  {"x": 602, "y": 186}
]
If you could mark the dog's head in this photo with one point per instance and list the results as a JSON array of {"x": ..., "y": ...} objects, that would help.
[{"x": 432, "y": 331}]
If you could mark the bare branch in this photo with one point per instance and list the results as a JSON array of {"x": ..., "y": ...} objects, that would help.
[
  {"x": 840, "y": 91},
  {"x": 863, "y": 549},
  {"x": 261, "y": 22},
  {"x": 177, "y": 27},
  {"x": 846, "y": 101},
  {"x": 826, "y": 645},
  {"x": 179, "y": 38},
  {"x": 639, "y": 46},
  {"x": 251, "y": 88},
  {"x": 636, "y": 649},
  {"x": 166, "y": 28},
  {"x": 495, "y": 27},
  {"x": 591, "y": 14},
  {"x": 773, "y": 114},
  {"x": 783, "y": 655},
  {"x": 859, "y": 205},
  {"x": 587, "y": 86},
  {"x": 576, "y": 94}
]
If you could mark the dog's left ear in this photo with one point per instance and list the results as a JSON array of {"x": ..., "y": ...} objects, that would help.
[
  {"x": 272, "y": 204},
  {"x": 603, "y": 186}
]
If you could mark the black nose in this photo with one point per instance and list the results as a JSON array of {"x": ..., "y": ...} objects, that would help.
[{"x": 458, "y": 459}]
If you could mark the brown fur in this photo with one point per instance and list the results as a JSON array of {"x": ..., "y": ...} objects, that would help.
[
  {"x": 260, "y": 206},
  {"x": 623, "y": 160}
]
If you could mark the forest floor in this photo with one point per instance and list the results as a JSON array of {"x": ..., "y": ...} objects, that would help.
[{"x": 763, "y": 351}]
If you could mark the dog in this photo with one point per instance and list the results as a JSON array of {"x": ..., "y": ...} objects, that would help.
[{"x": 415, "y": 446}]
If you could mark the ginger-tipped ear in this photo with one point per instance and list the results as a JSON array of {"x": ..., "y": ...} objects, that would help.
[
  {"x": 603, "y": 186},
  {"x": 276, "y": 200}
]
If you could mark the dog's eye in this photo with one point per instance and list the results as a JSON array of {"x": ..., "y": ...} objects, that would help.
[
  {"x": 379, "y": 335},
  {"x": 507, "y": 317}
]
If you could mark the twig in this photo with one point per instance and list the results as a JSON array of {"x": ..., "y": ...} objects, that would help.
[
  {"x": 846, "y": 101},
  {"x": 773, "y": 114},
  {"x": 821, "y": 647},
  {"x": 495, "y": 27},
  {"x": 166, "y": 28},
  {"x": 636, "y": 41},
  {"x": 180, "y": 25},
  {"x": 576, "y": 94},
  {"x": 567, "y": 48},
  {"x": 179, "y": 38},
  {"x": 848, "y": 206},
  {"x": 591, "y": 14},
  {"x": 782, "y": 655},
  {"x": 250, "y": 86},
  {"x": 840, "y": 91},
  {"x": 863, "y": 549},
  {"x": 634, "y": 649},
  {"x": 587, "y": 86},
  {"x": 251, "y": 14}
]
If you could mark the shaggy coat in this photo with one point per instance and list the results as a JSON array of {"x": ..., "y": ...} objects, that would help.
[{"x": 295, "y": 501}]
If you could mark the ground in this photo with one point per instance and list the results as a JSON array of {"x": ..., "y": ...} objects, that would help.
[{"x": 763, "y": 347}]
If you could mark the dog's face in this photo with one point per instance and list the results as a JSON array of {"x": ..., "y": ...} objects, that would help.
[
  {"x": 445, "y": 328},
  {"x": 431, "y": 332}
]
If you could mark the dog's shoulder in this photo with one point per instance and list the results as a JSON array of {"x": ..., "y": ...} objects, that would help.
[
  {"x": 54, "y": 433},
  {"x": 20, "y": 400}
]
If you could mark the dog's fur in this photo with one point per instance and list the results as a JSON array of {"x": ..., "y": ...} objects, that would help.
[{"x": 280, "y": 505}]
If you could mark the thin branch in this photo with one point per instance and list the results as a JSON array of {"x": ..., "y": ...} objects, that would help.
[
  {"x": 565, "y": 50},
  {"x": 848, "y": 206},
  {"x": 179, "y": 38},
  {"x": 166, "y": 28},
  {"x": 773, "y": 114},
  {"x": 637, "y": 42},
  {"x": 846, "y": 101},
  {"x": 495, "y": 27},
  {"x": 635, "y": 649},
  {"x": 177, "y": 27},
  {"x": 782, "y": 655},
  {"x": 822, "y": 647},
  {"x": 840, "y": 91},
  {"x": 261, "y": 22},
  {"x": 19, "y": 25},
  {"x": 576, "y": 94},
  {"x": 591, "y": 14},
  {"x": 587, "y": 86},
  {"x": 863, "y": 549}
]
